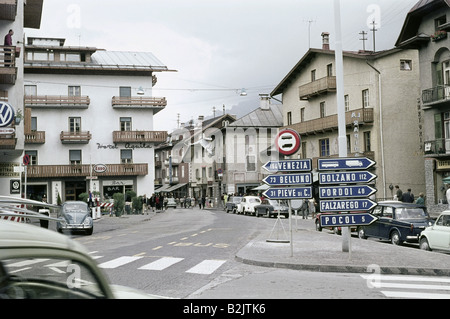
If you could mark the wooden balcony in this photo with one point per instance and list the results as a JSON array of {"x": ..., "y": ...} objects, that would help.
[
  {"x": 8, "y": 9},
  {"x": 318, "y": 87},
  {"x": 137, "y": 102},
  {"x": 139, "y": 136},
  {"x": 47, "y": 171},
  {"x": 8, "y": 70},
  {"x": 75, "y": 137},
  {"x": 57, "y": 101},
  {"x": 35, "y": 137},
  {"x": 8, "y": 141},
  {"x": 330, "y": 123}
]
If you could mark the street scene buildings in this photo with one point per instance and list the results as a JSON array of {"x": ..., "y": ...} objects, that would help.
[{"x": 83, "y": 117}]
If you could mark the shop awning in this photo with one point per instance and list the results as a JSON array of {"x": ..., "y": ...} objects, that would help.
[
  {"x": 171, "y": 189},
  {"x": 162, "y": 188}
]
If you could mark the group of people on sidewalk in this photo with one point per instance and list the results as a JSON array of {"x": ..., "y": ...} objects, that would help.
[{"x": 408, "y": 196}]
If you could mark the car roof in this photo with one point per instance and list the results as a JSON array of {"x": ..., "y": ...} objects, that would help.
[
  {"x": 20, "y": 235},
  {"x": 398, "y": 204}
]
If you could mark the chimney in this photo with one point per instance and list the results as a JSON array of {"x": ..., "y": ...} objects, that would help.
[
  {"x": 325, "y": 41},
  {"x": 264, "y": 102}
]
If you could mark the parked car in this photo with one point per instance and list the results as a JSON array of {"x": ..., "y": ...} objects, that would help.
[
  {"x": 76, "y": 217},
  {"x": 232, "y": 203},
  {"x": 247, "y": 205},
  {"x": 437, "y": 236},
  {"x": 397, "y": 222},
  {"x": 171, "y": 202},
  {"x": 57, "y": 267},
  {"x": 271, "y": 207}
]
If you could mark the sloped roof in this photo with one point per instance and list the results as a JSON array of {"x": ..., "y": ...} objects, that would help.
[
  {"x": 409, "y": 32},
  {"x": 272, "y": 117}
]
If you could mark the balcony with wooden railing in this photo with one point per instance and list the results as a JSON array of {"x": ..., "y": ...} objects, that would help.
[
  {"x": 330, "y": 123},
  {"x": 139, "y": 102},
  {"x": 57, "y": 101},
  {"x": 139, "y": 136},
  {"x": 8, "y": 10},
  {"x": 8, "y": 141},
  {"x": 75, "y": 137},
  {"x": 35, "y": 137},
  {"x": 318, "y": 87},
  {"x": 8, "y": 70},
  {"x": 84, "y": 170}
]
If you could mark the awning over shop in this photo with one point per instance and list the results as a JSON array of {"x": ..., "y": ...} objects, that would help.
[
  {"x": 261, "y": 188},
  {"x": 162, "y": 189},
  {"x": 171, "y": 189}
]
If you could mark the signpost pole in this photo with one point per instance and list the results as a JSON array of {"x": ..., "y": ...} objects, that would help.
[
  {"x": 290, "y": 228},
  {"x": 342, "y": 139}
]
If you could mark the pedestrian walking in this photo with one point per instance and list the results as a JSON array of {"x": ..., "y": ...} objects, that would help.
[
  {"x": 398, "y": 193},
  {"x": 408, "y": 197},
  {"x": 305, "y": 209},
  {"x": 420, "y": 200}
]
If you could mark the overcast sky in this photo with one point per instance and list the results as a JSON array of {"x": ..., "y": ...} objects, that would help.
[{"x": 218, "y": 47}]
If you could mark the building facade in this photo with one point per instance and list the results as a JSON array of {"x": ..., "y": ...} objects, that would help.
[
  {"x": 381, "y": 93},
  {"x": 15, "y": 15},
  {"x": 425, "y": 29},
  {"x": 88, "y": 120}
]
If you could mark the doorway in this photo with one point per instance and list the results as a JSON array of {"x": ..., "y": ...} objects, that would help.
[{"x": 74, "y": 189}]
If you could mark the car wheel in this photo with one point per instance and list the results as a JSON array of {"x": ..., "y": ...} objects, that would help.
[
  {"x": 361, "y": 233},
  {"x": 424, "y": 244},
  {"x": 395, "y": 238},
  {"x": 89, "y": 231},
  {"x": 318, "y": 228}
]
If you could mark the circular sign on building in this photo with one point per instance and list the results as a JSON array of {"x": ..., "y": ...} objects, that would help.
[
  {"x": 287, "y": 141},
  {"x": 7, "y": 114}
]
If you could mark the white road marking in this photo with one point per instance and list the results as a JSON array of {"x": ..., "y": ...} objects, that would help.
[
  {"x": 119, "y": 262},
  {"x": 161, "y": 263},
  {"x": 206, "y": 267}
]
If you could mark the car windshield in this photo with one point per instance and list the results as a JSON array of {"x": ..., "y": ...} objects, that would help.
[
  {"x": 75, "y": 208},
  {"x": 253, "y": 200},
  {"x": 47, "y": 278},
  {"x": 236, "y": 199},
  {"x": 410, "y": 213}
]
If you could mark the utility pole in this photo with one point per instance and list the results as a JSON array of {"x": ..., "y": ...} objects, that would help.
[{"x": 363, "y": 33}]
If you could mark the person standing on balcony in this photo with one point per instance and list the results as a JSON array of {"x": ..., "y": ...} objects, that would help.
[{"x": 8, "y": 43}]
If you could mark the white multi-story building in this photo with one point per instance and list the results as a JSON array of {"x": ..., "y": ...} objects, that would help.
[
  {"x": 15, "y": 15},
  {"x": 89, "y": 120}
]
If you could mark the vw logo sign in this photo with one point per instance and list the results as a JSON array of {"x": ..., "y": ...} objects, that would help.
[{"x": 6, "y": 114}]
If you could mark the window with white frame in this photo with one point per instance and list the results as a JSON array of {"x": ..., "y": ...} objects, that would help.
[
  {"x": 365, "y": 98},
  {"x": 74, "y": 124},
  {"x": 126, "y": 156},
  {"x": 75, "y": 157},
  {"x": 125, "y": 124},
  {"x": 74, "y": 90}
]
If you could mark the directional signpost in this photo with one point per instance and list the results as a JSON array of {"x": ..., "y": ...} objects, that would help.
[
  {"x": 347, "y": 220},
  {"x": 351, "y": 163},
  {"x": 289, "y": 193},
  {"x": 337, "y": 196},
  {"x": 288, "y": 179},
  {"x": 303, "y": 165}
]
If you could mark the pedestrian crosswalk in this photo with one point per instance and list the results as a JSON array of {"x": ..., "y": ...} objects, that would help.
[
  {"x": 404, "y": 286},
  {"x": 205, "y": 267}
]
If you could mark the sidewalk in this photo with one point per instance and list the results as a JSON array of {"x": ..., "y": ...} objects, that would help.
[{"x": 322, "y": 251}]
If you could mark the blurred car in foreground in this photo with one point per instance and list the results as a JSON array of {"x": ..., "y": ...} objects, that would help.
[
  {"x": 232, "y": 203},
  {"x": 76, "y": 217},
  {"x": 437, "y": 237},
  {"x": 37, "y": 263},
  {"x": 271, "y": 207},
  {"x": 397, "y": 222}
]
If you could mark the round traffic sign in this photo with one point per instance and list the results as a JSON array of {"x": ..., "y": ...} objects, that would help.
[
  {"x": 26, "y": 159},
  {"x": 287, "y": 141}
]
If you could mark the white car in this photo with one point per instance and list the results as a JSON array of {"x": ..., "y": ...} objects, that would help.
[
  {"x": 437, "y": 237},
  {"x": 247, "y": 205}
]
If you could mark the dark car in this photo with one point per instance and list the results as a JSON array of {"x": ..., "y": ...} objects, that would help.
[
  {"x": 232, "y": 202},
  {"x": 271, "y": 207},
  {"x": 397, "y": 222}
]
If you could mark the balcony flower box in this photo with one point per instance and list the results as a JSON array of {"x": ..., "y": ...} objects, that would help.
[{"x": 439, "y": 35}]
